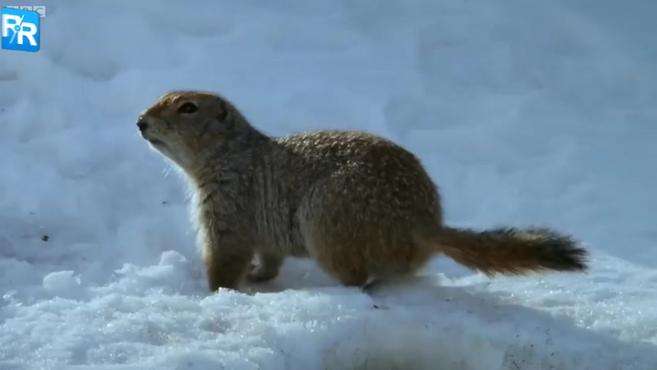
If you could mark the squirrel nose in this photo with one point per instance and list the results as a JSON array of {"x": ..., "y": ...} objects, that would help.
[{"x": 142, "y": 124}]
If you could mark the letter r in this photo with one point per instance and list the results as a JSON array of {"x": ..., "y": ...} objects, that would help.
[
  {"x": 9, "y": 21},
  {"x": 28, "y": 30}
]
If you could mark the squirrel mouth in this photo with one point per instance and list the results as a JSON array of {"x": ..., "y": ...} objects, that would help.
[{"x": 156, "y": 142}]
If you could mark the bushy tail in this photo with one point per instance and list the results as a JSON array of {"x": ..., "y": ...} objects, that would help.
[{"x": 511, "y": 251}]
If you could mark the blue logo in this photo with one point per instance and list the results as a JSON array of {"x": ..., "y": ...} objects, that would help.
[{"x": 20, "y": 30}]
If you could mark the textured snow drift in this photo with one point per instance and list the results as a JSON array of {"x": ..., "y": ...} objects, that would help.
[
  {"x": 525, "y": 114},
  {"x": 161, "y": 317}
]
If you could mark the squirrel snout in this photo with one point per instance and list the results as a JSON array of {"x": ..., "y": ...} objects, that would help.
[{"x": 142, "y": 124}]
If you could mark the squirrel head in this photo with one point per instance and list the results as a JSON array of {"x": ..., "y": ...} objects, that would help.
[{"x": 186, "y": 125}]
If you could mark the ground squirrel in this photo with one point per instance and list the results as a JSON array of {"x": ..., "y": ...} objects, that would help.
[{"x": 360, "y": 205}]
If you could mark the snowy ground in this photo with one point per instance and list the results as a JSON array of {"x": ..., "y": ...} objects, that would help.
[{"x": 541, "y": 113}]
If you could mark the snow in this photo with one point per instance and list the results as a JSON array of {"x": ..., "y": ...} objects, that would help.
[
  {"x": 61, "y": 283},
  {"x": 524, "y": 114}
]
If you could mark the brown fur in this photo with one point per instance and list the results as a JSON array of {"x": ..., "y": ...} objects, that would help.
[{"x": 362, "y": 206}]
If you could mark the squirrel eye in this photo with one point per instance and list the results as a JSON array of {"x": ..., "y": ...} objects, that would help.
[{"x": 188, "y": 108}]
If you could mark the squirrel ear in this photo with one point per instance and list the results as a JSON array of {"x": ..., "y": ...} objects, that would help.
[{"x": 223, "y": 111}]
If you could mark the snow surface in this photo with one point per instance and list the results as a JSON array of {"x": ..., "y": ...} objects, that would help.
[{"x": 525, "y": 113}]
